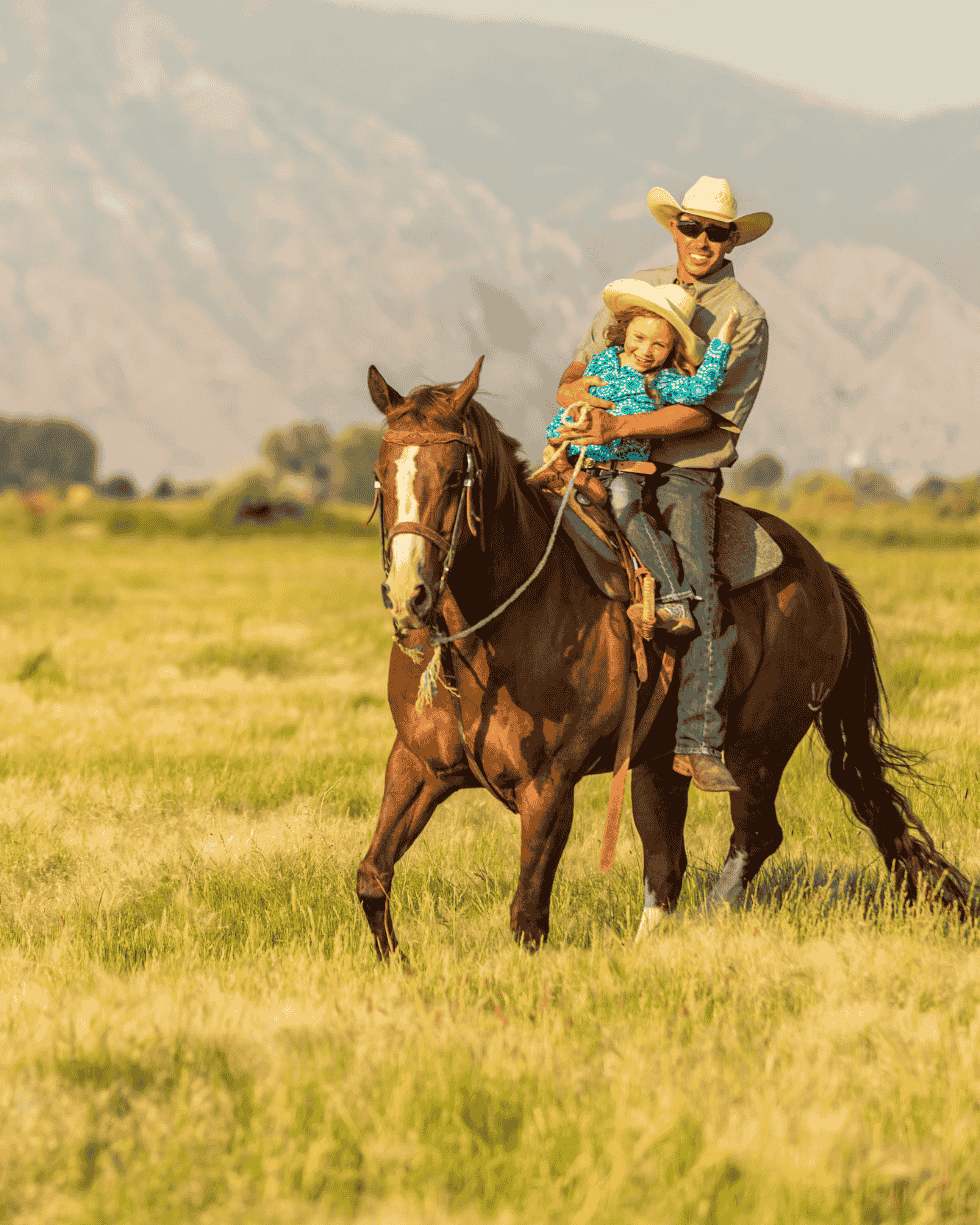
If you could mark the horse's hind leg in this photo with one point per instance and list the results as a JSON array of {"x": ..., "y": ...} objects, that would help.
[
  {"x": 412, "y": 793},
  {"x": 546, "y": 821},
  {"x": 659, "y": 813},
  {"x": 756, "y": 832}
]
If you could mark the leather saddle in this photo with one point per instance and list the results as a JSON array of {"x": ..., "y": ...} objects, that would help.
[{"x": 746, "y": 551}]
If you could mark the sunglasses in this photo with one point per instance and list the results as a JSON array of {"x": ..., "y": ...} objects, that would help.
[{"x": 716, "y": 233}]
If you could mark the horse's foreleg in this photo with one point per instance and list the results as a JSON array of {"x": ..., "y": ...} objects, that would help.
[
  {"x": 546, "y": 821},
  {"x": 659, "y": 813},
  {"x": 412, "y": 793}
]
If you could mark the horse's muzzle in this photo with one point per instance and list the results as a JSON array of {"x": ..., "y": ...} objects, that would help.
[{"x": 418, "y": 608}]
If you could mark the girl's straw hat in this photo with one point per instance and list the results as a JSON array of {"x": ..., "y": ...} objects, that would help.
[
  {"x": 670, "y": 302},
  {"x": 709, "y": 198}
]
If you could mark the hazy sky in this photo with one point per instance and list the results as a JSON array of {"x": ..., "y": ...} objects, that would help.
[{"x": 894, "y": 58}]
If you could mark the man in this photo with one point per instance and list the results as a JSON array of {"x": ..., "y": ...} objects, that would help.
[{"x": 691, "y": 444}]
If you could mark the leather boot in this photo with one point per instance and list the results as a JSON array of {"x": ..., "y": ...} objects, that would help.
[{"x": 707, "y": 773}]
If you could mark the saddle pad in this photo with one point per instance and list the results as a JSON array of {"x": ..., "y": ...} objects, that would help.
[{"x": 746, "y": 551}]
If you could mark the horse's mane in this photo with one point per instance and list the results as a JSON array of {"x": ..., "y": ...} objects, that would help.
[{"x": 505, "y": 473}]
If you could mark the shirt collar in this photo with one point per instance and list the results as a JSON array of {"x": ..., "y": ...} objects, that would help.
[{"x": 702, "y": 284}]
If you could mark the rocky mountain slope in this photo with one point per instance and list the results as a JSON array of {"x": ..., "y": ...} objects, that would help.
[{"x": 213, "y": 219}]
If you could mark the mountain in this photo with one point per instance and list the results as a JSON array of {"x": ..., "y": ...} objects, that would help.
[
  {"x": 574, "y": 126},
  {"x": 185, "y": 265},
  {"x": 214, "y": 217},
  {"x": 874, "y": 363}
]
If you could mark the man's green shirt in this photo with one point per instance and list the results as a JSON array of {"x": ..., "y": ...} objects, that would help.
[{"x": 717, "y": 296}]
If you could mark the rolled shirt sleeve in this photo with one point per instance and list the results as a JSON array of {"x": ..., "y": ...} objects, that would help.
[{"x": 746, "y": 365}]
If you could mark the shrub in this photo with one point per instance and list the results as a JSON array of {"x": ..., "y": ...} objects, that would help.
[{"x": 762, "y": 472}]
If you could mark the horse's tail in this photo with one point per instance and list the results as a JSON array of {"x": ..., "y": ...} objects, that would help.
[{"x": 851, "y": 725}]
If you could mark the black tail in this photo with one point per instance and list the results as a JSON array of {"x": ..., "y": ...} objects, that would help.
[{"x": 850, "y": 722}]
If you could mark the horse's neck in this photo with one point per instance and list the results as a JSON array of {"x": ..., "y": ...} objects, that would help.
[{"x": 512, "y": 549}]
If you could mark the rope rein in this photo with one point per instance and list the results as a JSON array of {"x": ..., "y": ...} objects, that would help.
[{"x": 431, "y": 676}]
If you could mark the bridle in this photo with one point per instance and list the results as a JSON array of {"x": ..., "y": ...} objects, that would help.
[
  {"x": 439, "y": 640},
  {"x": 473, "y": 479}
]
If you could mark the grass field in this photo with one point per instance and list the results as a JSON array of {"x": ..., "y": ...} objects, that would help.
[{"x": 194, "y": 1024}]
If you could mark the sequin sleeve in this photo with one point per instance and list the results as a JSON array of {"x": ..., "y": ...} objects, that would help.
[{"x": 677, "y": 388}]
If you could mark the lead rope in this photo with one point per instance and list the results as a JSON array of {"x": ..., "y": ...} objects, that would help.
[{"x": 430, "y": 677}]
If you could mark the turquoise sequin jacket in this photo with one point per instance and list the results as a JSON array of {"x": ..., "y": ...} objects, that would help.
[{"x": 626, "y": 389}]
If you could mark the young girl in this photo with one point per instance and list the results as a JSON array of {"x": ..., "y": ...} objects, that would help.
[{"x": 653, "y": 359}]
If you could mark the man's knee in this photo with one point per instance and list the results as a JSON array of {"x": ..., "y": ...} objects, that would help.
[{"x": 624, "y": 500}]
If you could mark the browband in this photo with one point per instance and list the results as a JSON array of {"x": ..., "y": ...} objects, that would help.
[{"x": 425, "y": 440}]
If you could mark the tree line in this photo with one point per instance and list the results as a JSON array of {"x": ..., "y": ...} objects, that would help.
[
  {"x": 53, "y": 453},
  {"x": 337, "y": 468},
  {"x": 38, "y": 454}
]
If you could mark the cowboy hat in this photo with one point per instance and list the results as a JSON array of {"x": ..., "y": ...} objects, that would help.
[
  {"x": 670, "y": 302},
  {"x": 709, "y": 198}
]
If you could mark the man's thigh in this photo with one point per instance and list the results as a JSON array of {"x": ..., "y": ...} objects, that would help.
[{"x": 687, "y": 503}]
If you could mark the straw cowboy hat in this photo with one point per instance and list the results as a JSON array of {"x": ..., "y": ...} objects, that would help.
[
  {"x": 709, "y": 198},
  {"x": 670, "y": 302}
]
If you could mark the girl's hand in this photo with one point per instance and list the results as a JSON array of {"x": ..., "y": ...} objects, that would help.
[{"x": 727, "y": 333}]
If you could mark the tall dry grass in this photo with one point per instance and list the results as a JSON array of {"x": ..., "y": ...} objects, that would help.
[{"x": 195, "y": 1027}]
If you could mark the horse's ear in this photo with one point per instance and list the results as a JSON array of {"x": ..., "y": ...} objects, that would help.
[
  {"x": 385, "y": 398},
  {"x": 467, "y": 389}
]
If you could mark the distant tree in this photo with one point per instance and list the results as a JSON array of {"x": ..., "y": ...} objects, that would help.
[
  {"x": 932, "y": 488},
  {"x": 821, "y": 489},
  {"x": 357, "y": 449},
  {"x": 949, "y": 499},
  {"x": 870, "y": 485},
  {"x": 762, "y": 472},
  {"x": 164, "y": 488},
  {"x": 303, "y": 449},
  {"x": 35, "y": 454},
  {"x": 118, "y": 486}
]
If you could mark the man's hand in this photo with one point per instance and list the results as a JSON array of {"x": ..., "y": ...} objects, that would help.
[
  {"x": 596, "y": 428},
  {"x": 581, "y": 389}
]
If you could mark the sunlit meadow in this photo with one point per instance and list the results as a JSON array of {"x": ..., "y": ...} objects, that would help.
[{"x": 195, "y": 1027}]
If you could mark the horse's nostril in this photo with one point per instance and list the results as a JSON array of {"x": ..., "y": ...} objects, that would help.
[
  {"x": 385, "y": 596},
  {"x": 420, "y": 601}
]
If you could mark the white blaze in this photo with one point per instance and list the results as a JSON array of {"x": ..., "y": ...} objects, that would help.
[{"x": 406, "y": 549}]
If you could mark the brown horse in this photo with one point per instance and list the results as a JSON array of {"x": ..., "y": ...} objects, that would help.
[{"x": 540, "y": 691}]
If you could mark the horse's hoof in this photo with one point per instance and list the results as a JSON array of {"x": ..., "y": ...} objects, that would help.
[
  {"x": 714, "y": 906},
  {"x": 652, "y": 918},
  {"x": 529, "y": 942}
]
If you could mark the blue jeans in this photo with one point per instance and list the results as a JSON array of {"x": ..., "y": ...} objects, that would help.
[
  {"x": 654, "y": 548},
  {"x": 686, "y": 501}
]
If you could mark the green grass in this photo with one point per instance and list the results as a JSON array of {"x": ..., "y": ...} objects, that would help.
[{"x": 195, "y": 1027}]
